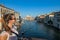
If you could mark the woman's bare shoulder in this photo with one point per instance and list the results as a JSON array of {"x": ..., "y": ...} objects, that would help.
[
  {"x": 3, "y": 36},
  {"x": 4, "y": 33}
]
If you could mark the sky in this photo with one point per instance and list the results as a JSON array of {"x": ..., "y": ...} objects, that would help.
[{"x": 32, "y": 7}]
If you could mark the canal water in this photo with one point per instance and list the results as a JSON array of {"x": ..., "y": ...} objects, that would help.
[{"x": 39, "y": 30}]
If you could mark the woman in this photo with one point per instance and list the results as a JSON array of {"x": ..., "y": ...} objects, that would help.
[{"x": 9, "y": 32}]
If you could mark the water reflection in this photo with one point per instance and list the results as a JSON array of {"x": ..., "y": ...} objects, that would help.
[{"x": 39, "y": 30}]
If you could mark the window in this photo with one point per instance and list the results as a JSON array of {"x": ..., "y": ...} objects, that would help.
[
  {"x": 58, "y": 20},
  {"x": 58, "y": 14}
]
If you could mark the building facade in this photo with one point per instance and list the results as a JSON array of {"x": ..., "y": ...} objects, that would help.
[
  {"x": 29, "y": 18},
  {"x": 56, "y": 20},
  {"x": 49, "y": 19},
  {"x": 17, "y": 15}
]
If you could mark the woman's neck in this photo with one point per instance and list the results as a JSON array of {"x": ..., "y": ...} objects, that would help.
[{"x": 10, "y": 25}]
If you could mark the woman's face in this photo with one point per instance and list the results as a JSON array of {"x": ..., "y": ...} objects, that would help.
[{"x": 13, "y": 19}]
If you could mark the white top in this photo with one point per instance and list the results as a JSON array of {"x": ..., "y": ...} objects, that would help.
[{"x": 10, "y": 37}]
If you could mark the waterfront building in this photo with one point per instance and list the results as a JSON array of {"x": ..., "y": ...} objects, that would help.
[
  {"x": 42, "y": 18},
  {"x": 56, "y": 20},
  {"x": 29, "y": 18},
  {"x": 46, "y": 19},
  {"x": 49, "y": 19},
  {"x": 17, "y": 15},
  {"x": 53, "y": 19}
]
